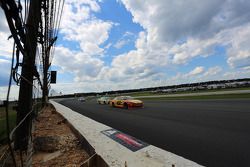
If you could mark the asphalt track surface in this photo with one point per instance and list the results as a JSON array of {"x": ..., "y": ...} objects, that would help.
[{"x": 209, "y": 132}]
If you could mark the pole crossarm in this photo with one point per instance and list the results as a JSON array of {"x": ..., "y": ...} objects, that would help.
[{"x": 15, "y": 24}]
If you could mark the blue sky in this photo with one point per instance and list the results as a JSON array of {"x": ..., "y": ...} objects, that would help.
[{"x": 122, "y": 44}]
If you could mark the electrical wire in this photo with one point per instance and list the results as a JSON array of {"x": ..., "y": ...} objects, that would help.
[
  {"x": 19, "y": 124},
  {"x": 60, "y": 18},
  {"x": 25, "y": 79},
  {"x": 58, "y": 22},
  {"x": 57, "y": 15},
  {"x": 7, "y": 109},
  {"x": 20, "y": 36}
]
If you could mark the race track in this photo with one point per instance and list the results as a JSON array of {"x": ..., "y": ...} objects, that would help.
[{"x": 209, "y": 132}]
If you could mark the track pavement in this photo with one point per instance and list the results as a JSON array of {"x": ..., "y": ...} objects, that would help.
[{"x": 209, "y": 132}]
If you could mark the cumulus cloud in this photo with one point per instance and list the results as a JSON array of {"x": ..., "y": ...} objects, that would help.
[
  {"x": 198, "y": 74},
  {"x": 6, "y": 47},
  {"x": 237, "y": 74},
  {"x": 3, "y": 23},
  {"x": 5, "y": 44},
  {"x": 81, "y": 26},
  {"x": 196, "y": 71},
  {"x": 238, "y": 47},
  {"x": 193, "y": 28},
  {"x": 176, "y": 20},
  {"x": 80, "y": 64},
  {"x": 213, "y": 71}
]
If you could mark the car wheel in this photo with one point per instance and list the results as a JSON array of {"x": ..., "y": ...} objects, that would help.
[
  {"x": 125, "y": 105},
  {"x": 104, "y": 102}
]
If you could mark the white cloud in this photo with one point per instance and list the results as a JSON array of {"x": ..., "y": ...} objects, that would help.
[
  {"x": 197, "y": 27},
  {"x": 198, "y": 74},
  {"x": 121, "y": 43},
  {"x": 237, "y": 74},
  {"x": 13, "y": 92},
  {"x": 242, "y": 59},
  {"x": 79, "y": 25},
  {"x": 212, "y": 71},
  {"x": 108, "y": 46},
  {"x": 124, "y": 40},
  {"x": 6, "y": 47},
  {"x": 5, "y": 44},
  {"x": 92, "y": 4},
  {"x": 176, "y": 20},
  {"x": 3, "y": 23},
  {"x": 83, "y": 66},
  {"x": 183, "y": 53},
  {"x": 196, "y": 71},
  {"x": 239, "y": 51}
]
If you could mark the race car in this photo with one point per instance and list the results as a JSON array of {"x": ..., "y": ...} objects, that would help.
[
  {"x": 103, "y": 100},
  {"x": 125, "y": 102},
  {"x": 81, "y": 99}
]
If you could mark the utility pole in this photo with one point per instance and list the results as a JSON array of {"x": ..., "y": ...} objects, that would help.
[
  {"x": 45, "y": 53},
  {"x": 28, "y": 71},
  {"x": 45, "y": 79},
  {"x": 48, "y": 42}
]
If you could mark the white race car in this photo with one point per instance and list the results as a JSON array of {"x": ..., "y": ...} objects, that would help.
[
  {"x": 81, "y": 99},
  {"x": 103, "y": 100}
]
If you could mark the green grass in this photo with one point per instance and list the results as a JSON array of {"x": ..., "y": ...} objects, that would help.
[
  {"x": 184, "y": 92},
  {"x": 12, "y": 121},
  {"x": 203, "y": 97}
]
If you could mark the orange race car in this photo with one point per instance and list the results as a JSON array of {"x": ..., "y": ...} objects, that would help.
[{"x": 125, "y": 102}]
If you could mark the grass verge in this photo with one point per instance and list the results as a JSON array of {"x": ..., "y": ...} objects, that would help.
[
  {"x": 12, "y": 121},
  {"x": 184, "y": 92},
  {"x": 204, "y": 97}
]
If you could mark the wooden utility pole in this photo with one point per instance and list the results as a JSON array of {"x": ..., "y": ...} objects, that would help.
[
  {"x": 28, "y": 71},
  {"x": 45, "y": 80},
  {"x": 45, "y": 53}
]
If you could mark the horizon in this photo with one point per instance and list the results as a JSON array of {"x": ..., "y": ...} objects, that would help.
[{"x": 161, "y": 86}]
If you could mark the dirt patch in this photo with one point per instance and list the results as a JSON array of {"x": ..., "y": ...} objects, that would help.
[{"x": 54, "y": 142}]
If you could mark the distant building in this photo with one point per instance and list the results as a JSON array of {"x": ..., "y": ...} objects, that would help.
[
  {"x": 167, "y": 90},
  {"x": 201, "y": 87},
  {"x": 232, "y": 85},
  {"x": 217, "y": 86}
]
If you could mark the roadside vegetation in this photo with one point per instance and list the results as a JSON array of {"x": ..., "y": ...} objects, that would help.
[{"x": 12, "y": 121}]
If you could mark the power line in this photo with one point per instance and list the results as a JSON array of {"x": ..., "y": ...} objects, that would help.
[
  {"x": 7, "y": 109},
  {"x": 43, "y": 17}
]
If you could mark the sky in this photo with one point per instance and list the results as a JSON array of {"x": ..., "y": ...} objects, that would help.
[{"x": 125, "y": 44}]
